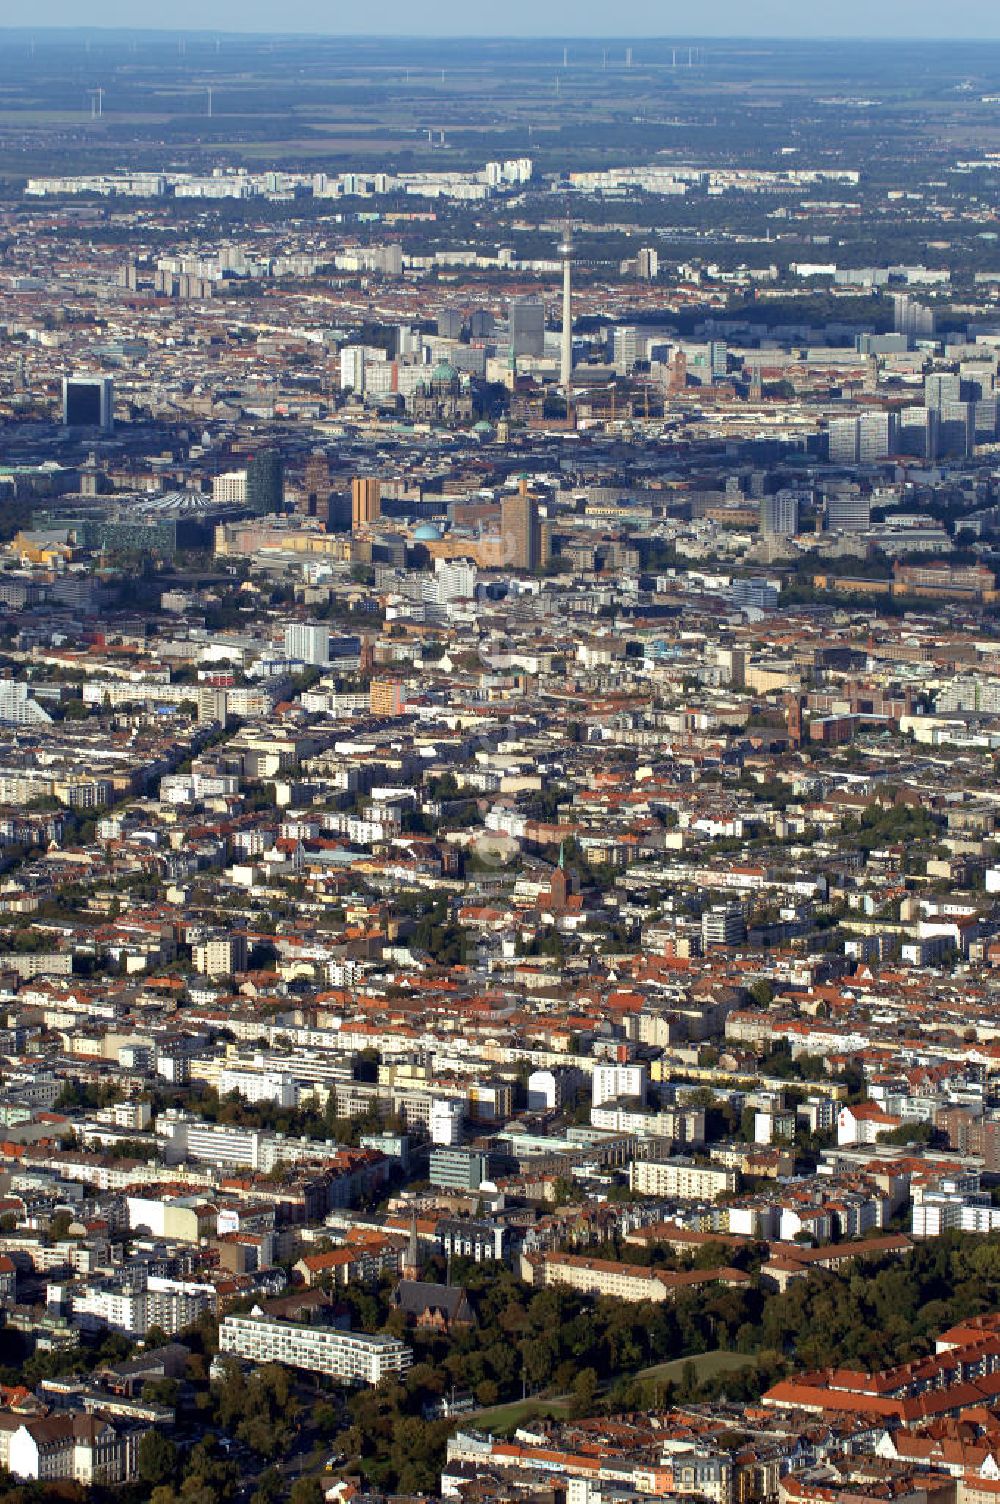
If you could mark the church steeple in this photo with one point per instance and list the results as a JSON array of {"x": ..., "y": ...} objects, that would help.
[
  {"x": 411, "y": 1264},
  {"x": 560, "y": 883}
]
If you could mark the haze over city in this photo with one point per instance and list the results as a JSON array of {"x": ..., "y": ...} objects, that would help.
[{"x": 557, "y": 19}]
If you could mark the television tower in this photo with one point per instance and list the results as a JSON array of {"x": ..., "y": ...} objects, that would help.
[{"x": 566, "y": 360}]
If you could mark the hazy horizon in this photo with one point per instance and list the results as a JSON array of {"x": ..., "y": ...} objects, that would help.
[{"x": 771, "y": 20}]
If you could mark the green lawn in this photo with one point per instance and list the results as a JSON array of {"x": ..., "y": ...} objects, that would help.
[
  {"x": 706, "y": 1364},
  {"x": 507, "y": 1418}
]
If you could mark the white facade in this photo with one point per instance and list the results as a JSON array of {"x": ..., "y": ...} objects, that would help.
[
  {"x": 544, "y": 1094},
  {"x": 260, "y": 1086},
  {"x": 352, "y": 368},
  {"x": 612, "y": 1081},
  {"x": 446, "y": 1122},
  {"x": 652, "y": 1177},
  {"x": 355, "y": 1357},
  {"x": 309, "y": 642},
  {"x": 230, "y": 488},
  {"x": 936, "y": 1214},
  {"x": 723, "y": 924},
  {"x": 167, "y": 1303},
  {"x": 221, "y": 1144},
  {"x": 865, "y": 1125},
  {"x": 120, "y": 1309},
  {"x": 17, "y": 708},
  {"x": 815, "y": 1221},
  {"x": 83, "y": 1448},
  {"x": 188, "y": 788},
  {"x": 454, "y": 580},
  {"x": 754, "y": 1221}
]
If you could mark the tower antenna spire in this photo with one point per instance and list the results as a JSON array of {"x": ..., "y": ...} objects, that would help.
[{"x": 566, "y": 353}]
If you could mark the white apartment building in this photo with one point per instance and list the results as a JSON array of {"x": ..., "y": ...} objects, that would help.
[
  {"x": 612, "y": 1081},
  {"x": 121, "y": 1309},
  {"x": 352, "y": 368},
  {"x": 594, "y": 1277},
  {"x": 174, "y": 1304},
  {"x": 184, "y": 1138},
  {"x": 245, "y": 701},
  {"x": 545, "y": 1091},
  {"x": 230, "y": 488},
  {"x": 684, "y": 1126},
  {"x": 220, "y": 955},
  {"x": 308, "y": 642},
  {"x": 723, "y": 924},
  {"x": 354, "y": 1357},
  {"x": 186, "y": 788},
  {"x": 446, "y": 1121},
  {"x": 937, "y": 1213},
  {"x": 17, "y": 708},
  {"x": 260, "y": 1086},
  {"x": 754, "y": 1219},
  {"x": 454, "y": 580},
  {"x": 678, "y": 1177},
  {"x": 166, "y": 1303}
]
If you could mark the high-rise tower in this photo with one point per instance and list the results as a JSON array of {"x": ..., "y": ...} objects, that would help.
[
  {"x": 314, "y": 500},
  {"x": 88, "y": 402},
  {"x": 366, "y": 501},
  {"x": 521, "y": 529},
  {"x": 566, "y": 357},
  {"x": 265, "y": 482}
]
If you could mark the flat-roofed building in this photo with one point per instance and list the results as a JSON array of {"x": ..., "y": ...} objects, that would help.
[{"x": 354, "y": 1357}]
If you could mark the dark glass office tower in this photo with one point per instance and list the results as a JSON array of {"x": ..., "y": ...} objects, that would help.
[{"x": 265, "y": 482}]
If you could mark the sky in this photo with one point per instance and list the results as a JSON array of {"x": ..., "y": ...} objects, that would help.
[{"x": 560, "y": 19}]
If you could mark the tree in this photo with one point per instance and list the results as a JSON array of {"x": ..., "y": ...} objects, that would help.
[
  {"x": 326, "y": 1418},
  {"x": 196, "y": 1490},
  {"x": 156, "y": 1458},
  {"x": 162, "y": 1392},
  {"x": 207, "y": 1474},
  {"x": 584, "y": 1392},
  {"x": 688, "y": 1387},
  {"x": 270, "y": 1488},
  {"x": 59, "y": 1226},
  {"x": 306, "y": 1491},
  {"x": 563, "y": 1192},
  {"x": 417, "y": 1453},
  {"x": 912, "y": 1133},
  {"x": 231, "y": 1395},
  {"x": 114, "y": 1348}
]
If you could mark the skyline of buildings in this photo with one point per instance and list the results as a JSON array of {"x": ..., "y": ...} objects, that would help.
[{"x": 499, "y": 741}]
